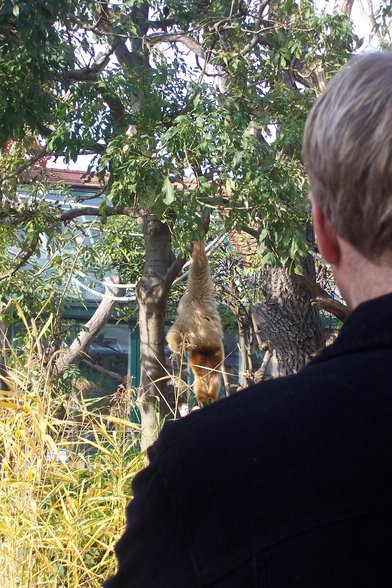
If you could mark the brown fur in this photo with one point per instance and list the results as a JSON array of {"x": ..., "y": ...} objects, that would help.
[{"x": 198, "y": 328}]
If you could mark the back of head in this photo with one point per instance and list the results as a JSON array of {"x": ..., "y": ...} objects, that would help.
[{"x": 347, "y": 151}]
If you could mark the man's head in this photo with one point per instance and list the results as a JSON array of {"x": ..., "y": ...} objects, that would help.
[{"x": 347, "y": 151}]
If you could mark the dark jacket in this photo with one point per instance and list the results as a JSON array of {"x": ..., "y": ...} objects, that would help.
[{"x": 288, "y": 483}]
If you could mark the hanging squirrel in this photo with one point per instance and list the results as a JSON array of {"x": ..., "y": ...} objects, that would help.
[{"x": 198, "y": 328}]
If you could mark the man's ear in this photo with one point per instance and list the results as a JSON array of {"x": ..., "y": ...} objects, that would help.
[{"x": 325, "y": 234}]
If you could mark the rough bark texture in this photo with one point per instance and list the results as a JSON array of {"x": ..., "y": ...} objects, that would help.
[
  {"x": 288, "y": 320},
  {"x": 151, "y": 292}
]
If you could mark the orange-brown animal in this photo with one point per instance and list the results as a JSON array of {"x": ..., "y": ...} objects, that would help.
[{"x": 198, "y": 328}]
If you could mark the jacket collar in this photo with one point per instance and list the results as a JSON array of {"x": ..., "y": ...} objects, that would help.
[{"x": 369, "y": 326}]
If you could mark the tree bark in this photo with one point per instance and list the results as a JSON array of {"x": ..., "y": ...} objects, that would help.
[
  {"x": 151, "y": 293},
  {"x": 341, "y": 311},
  {"x": 288, "y": 320}
]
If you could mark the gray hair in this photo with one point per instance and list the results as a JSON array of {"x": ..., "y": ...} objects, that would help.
[{"x": 347, "y": 151}]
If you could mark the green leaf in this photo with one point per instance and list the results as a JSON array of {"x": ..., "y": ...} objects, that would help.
[
  {"x": 168, "y": 190},
  {"x": 263, "y": 235}
]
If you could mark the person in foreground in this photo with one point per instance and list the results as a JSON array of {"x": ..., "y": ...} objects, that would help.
[{"x": 289, "y": 483}]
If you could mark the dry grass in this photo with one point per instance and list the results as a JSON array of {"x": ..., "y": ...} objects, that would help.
[{"x": 65, "y": 480}]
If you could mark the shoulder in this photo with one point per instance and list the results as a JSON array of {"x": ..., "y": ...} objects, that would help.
[
  {"x": 278, "y": 417},
  {"x": 215, "y": 431}
]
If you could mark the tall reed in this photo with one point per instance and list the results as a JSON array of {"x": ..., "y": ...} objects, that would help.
[{"x": 65, "y": 479}]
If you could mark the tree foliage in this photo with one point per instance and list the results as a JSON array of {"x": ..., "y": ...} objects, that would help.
[
  {"x": 178, "y": 108},
  {"x": 187, "y": 108}
]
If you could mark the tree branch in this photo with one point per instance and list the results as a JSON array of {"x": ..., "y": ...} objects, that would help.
[
  {"x": 69, "y": 215},
  {"x": 257, "y": 28},
  {"x": 90, "y": 73},
  {"x": 116, "y": 107},
  {"x": 368, "y": 11},
  {"x": 174, "y": 271},
  {"x": 96, "y": 148},
  {"x": 22, "y": 257},
  {"x": 252, "y": 232},
  {"x": 314, "y": 288},
  {"x": 81, "y": 25},
  {"x": 178, "y": 37},
  {"x": 93, "y": 326},
  {"x": 341, "y": 311},
  {"x": 259, "y": 375},
  {"x": 24, "y": 166},
  {"x": 161, "y": 24},
  {"x": 344, "y": 6},
  {"x": 98, "y": 368},
  {"x": 125, "y": 57},
  {"x": 323, "y": 300}
]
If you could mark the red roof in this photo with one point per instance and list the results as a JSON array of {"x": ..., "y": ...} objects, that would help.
[
  {"x": 80, "y": 179},
  {"x": 74, "y": 178}
]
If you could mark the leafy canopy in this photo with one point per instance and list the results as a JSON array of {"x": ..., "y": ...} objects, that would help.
[{"x": 186, "y": 107}]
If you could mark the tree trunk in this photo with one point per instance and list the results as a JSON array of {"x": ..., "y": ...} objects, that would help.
[
  {"x": 151, "y": 292},
  {"x": 288, "y": 320}
]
